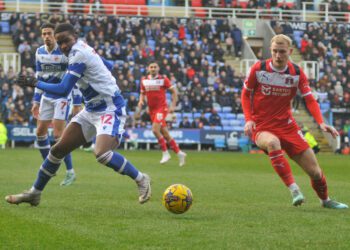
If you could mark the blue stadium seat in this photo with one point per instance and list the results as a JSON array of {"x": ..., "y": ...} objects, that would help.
[
  {"x": 225, "y": 122},
  {"x": 238, "y": 128},
  {"x": 227, "y": 109},
  {"x": 218, "y": 128},
  {"x": 209, "y": 58},
  {"x": 196, "y": 115},
  {"x": 228, "y": 128},
  {"x": 230, "y": 116},
  {"x": 188, "y": 37},
  {"x": 206, "y": 127},
  {"x": 178, "y": 115},
  {"x": 240, "y": 116},
  {"x": 207, "y": 115},
  {"x": 222, "y": 115},
  {"x": 188, "y": 114},
  {"x": 151, "y": 44},
  {"x": 235, "y": 123}
]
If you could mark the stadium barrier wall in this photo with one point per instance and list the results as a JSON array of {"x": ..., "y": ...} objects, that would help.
[{"x": 197, "y": 137}]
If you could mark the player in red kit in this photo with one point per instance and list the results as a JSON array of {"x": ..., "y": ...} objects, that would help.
[
  {"x": 266, "y": 99},
  {"x": 154, "y": 87}
]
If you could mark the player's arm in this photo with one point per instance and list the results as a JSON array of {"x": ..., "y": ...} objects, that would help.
[
  {"x": 107, "y": 63},
  {"x": 172, "y": 89},
  {"x": 313, "y": 106},
  {"x": 37, "y": 92},
  {"x": 142, "y": 96},
  {"x": 63, "y": 88},
  {"x": 247, "y": 92},
  {"x": 173, "y": 98},
  {"x": 76, "y": 68},
  {"x": 77, "y": 100}
]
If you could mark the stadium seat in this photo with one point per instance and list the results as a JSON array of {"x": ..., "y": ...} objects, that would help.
[
  {"x": 235, "y": 123},
  {"x": 230, "y": 116},
  {"x": 228, "y": 128},
  {"x": 188, "y": 114},
  {"x": 196, "y": 115},
  {"x": 240, "y": 116},
  {"x": 238, "y": 128},
  {"x": 206, "y": 127},
  {"x": 219, "y": 128},
  {"x": 227, "y": 109},
  {"x": 225, "y": 122}
]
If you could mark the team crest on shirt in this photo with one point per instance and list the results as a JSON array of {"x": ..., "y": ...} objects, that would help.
[{"x": 266, "y": 90}]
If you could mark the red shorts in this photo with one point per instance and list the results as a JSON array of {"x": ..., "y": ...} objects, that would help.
[
  {"x": 291, "y": 138},
  {"x": 158, "y": 116}
]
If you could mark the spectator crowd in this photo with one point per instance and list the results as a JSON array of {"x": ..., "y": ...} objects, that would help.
[{"x": 190, "y": 52}]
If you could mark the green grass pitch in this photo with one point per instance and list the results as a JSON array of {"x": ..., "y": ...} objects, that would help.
[{"x": 239, "y": 203}]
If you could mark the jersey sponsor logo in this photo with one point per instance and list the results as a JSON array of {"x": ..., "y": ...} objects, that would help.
[
  {"x": 277, "y": 79},
  {"x": 53, "y": 67},
  {"x": 153, "y": 84},
  {"x": 52, "y": 58},
  {"x": 266, "y": 90}
]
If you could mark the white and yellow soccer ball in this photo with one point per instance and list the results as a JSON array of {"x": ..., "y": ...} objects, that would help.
[{"x": 177, "y": 198}]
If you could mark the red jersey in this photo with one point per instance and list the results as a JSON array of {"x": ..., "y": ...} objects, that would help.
[
  {"x": 155, "y": 90},
  {"x": 273, "y": 92}
]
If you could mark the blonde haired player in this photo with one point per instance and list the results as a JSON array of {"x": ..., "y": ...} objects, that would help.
[{"x": 266, "y": 97}]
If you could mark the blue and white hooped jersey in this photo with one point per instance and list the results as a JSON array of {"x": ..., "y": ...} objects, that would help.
[
  {"x": 50, "y": 68},
  {"x": 96, "y": 83}
]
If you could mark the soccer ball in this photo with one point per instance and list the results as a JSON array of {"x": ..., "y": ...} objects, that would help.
[{"x": 177, "y": 198}]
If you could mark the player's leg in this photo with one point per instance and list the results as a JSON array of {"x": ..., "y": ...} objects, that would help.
[
  {"x": 272, "y": 145},
  {"x": 110, "y": 127},
  {"x": 46, "y": 113},
  {"x": 61, "y": 113},
  {"x": 307, "y": 160},
  {"x": 175, "y": 147},
  {"x": 71, "y": 139},
  {"x": 42, "y": 137},
  {"x": 157, "y": 118}
]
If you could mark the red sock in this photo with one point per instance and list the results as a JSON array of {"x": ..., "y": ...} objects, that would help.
[
  {"x": 162, "y": 144},
  {"x": 174, "y": 146},
  {"x": 281, "y": 166},
  {"x": 320, "y": 186}
]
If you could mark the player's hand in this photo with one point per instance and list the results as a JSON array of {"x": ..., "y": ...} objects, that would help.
[
  {"x": 249, "y": 128},
  {"x": 35, "y": 110},
  {"x": 171, "y": 109},
  {"x": 140, "y": 104},
  {"x": 329, "y": 129},
  {"x": 26, "y": 81},
  {"x": 75, "y": 110}
]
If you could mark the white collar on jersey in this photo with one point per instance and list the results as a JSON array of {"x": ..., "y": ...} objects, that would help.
[
  {"x": 276, "y": 70},
  {"x": 54, "y": 48}
]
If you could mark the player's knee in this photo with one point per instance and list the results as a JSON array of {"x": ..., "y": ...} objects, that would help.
[
  {"x": 315, "y": 173},
  {"x": 273, "y": 144},
  {"x": 156, "y": 132},
  {"x": 58, "y": 151},
  {"x": 104, "y": 157}
]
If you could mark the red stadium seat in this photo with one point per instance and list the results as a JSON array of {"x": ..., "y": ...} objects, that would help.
[
  {"x": 2, "y": 5},
  {"x": 130, "y": 9}
]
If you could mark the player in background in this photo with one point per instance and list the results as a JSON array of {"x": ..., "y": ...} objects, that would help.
[
  {"x": 103, "y": 116},
  {"x": 51, "y": 65},
  {"x": 266, "y": 100},
  {"x": 154, "y": 87}
]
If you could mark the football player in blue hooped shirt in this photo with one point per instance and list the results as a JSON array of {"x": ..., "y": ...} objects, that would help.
[
  {"x": 51, "y": 65},
  {"x": 103, "y": 116}
]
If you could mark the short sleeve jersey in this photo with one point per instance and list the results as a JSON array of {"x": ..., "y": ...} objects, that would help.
[
  {"x": 273, "y": 91},
  {"x": 155, "y": 91}
]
